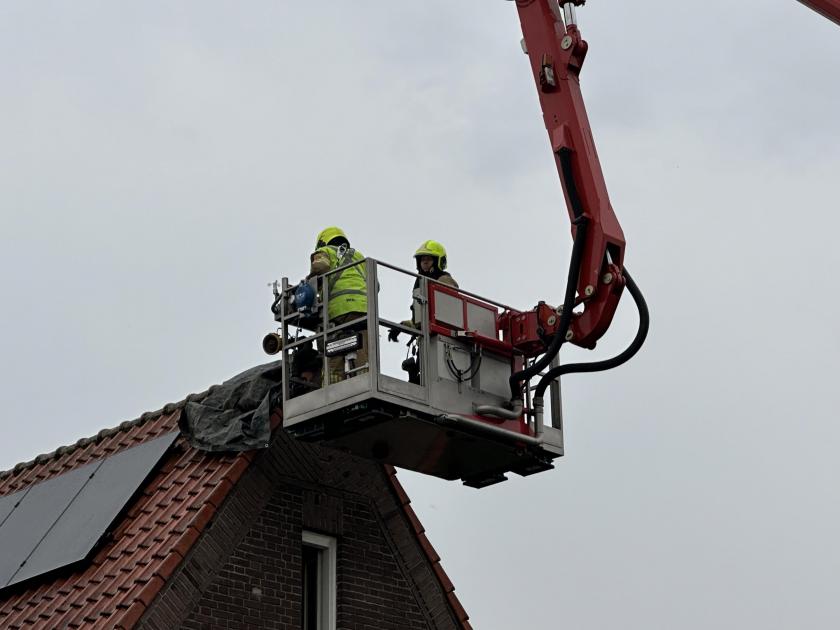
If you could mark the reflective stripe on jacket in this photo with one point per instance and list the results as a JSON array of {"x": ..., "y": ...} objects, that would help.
[{"x": 348, "y": 288}]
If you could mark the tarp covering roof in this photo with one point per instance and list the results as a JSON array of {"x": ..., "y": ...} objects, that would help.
[{"x": 234, "y": 416}]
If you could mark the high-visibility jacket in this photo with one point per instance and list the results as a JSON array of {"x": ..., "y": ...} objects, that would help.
[{"x": 348, "y": 288}]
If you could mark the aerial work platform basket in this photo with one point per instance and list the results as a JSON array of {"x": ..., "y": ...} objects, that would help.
[{"x": 340, "y": 389}]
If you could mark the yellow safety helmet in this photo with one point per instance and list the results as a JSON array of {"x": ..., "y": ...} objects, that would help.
[
  {"x": 328, "y": 234},
  {"x": 435, "y": 250}
]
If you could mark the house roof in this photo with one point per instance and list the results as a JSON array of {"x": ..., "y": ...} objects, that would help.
[{"x": 154, "y": 536}]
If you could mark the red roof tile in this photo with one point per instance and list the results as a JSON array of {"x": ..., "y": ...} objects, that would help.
[
  {"x": 116, "y": 587},
  {"x": 145, "y": 548}
]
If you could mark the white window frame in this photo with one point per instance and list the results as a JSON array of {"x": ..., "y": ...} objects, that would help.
[{"x": 326, "y": 545}]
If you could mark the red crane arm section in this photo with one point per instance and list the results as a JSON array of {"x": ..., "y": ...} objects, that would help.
[
  {"x": 828, "y": 8},
  {"x": 556, "y": 51}
]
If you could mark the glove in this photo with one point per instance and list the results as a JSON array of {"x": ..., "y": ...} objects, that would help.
[{"x": 393, "y": 335}]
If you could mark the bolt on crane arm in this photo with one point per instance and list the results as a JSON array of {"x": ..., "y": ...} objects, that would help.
[
  {"x": 557, "y": 51},
  {"x": 827, "y": 8}
]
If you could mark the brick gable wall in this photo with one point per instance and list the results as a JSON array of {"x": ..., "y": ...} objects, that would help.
[
  {"x": 372, "y": 591},
  {"x": 259, "y": 586},
  {"x": 245, "y": 570}
]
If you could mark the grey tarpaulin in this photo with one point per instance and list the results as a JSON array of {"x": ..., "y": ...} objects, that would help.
[{"x": 235, "y": 415}]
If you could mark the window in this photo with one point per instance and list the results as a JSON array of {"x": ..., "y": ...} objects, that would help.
[{"x": 318, "y": 577}]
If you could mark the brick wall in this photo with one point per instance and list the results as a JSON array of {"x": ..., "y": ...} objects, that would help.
[
  {"x": 245, "y": 571},
  {"x": 259, "y": 586},
  {"x": 372, "y": 591}
]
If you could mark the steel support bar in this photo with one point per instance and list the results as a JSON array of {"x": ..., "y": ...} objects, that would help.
[{"x": 474, "y": 425}]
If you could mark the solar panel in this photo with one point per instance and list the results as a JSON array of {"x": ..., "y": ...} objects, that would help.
[
  {"x": 33, "y": 518},
  {"x": 63, "y": 535},
  {"x": 8, "y": 503}
]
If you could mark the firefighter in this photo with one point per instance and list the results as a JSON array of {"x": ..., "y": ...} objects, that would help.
[
  {"x": 347, "y": 290},
  {"x": 431, "y": 262},
  {"x": 430, "y": 259}
]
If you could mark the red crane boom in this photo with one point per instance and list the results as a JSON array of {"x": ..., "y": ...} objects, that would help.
[
  {"x": 827, "y": 8},
  {"x": 557, "y": 51},
  {"x": 597, "y": 275}
]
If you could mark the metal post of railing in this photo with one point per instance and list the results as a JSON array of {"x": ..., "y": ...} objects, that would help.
[
  {"x": 325, "y": 323},
  {"x": 556, "y": 400},
  {"x": 284, "y": 334},
  {"x": 425, "y": 340},
  {"x": 530, "y": 418},
  {"x": 372, "y": 323}
]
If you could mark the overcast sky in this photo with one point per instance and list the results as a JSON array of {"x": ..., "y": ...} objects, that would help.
[{"x": 161, "y": 162}]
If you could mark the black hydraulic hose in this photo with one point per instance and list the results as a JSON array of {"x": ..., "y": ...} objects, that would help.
[
  {"x": 571, "y": 282},
  {"x": 569, "y": 179},
  {"x": 598, "y": 366},
  {"x": 565, "y": 318}
]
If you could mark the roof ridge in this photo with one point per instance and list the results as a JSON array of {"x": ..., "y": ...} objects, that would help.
[{"x": 125, "y": 425}]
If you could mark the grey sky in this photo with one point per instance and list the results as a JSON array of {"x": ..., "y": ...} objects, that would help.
[{"x": 161, "y": 162}]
